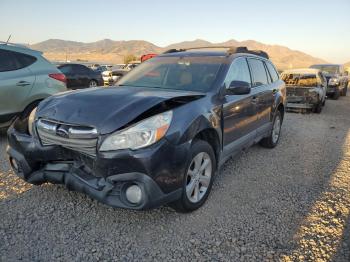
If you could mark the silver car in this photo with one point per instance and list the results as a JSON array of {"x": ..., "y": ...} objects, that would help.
[{"x": 26, "y": 78}]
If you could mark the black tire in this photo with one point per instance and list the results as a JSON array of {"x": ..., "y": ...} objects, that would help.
[
  {"x": 270, "y": 142},
  {"x": 93, "y": 83},
  {"x": 318, "y": 108},
  {"x": 184, "y": 204},
  {"x": 336, "y": 94}
]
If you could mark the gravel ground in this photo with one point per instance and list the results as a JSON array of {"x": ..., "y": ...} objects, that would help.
[{"x": 291, "y": 204}]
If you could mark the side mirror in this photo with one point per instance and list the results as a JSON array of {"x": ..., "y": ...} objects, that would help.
[{"x": 238, "y": 88}]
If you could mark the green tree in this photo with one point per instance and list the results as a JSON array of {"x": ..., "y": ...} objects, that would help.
[{"x": 129, "y": 57}]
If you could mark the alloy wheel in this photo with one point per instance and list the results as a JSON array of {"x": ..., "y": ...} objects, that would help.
[
  {"x": 276, "y": 129},
  {"x": 198, "y": 177}
]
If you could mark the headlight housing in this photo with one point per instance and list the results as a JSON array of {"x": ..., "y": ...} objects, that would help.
[
  {"x": 333, "y": 81},
  {"x": 140, "y": 135},
  {"x": 31, "y": 119}
]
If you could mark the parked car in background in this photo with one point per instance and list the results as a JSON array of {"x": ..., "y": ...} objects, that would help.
[
  {"x": 131, "y": 65},
  {"x": 160, "y": 135},
  {"x": 147, "y": 57},
  {"x": 111, "y": 76},
  {"x": 26, "y": 78},
  {"x": 102, "y": 68},
  {"x": 80, "y": 76},
  {"x": 306, "y": 89},
  {"x": 337, "y": 79}
]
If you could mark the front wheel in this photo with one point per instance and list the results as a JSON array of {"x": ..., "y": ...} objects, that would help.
[
  {"x": 272, "y": 140},
  {"x": 198, "y": 178}
]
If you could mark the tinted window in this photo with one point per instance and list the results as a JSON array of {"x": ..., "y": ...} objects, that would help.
[
  {"x": 273, "y": 72},
  {"x": 65, "y": 69},
  {"x": 10, "y": 61},
  {"x": 24, "y": 60},
  {"x": 238, "y": 71},
  {"x": 258, "y": 72},
  {"x": 80, "y": 69}
]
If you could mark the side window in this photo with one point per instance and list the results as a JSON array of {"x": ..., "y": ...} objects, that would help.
[
  {"x": 24, "y": 60},
  {"x": 273, "y": 72},
  {"x": 11, "y": 61},
  {"x": 258, "y": 72},
  {"x": 239, "y": 71}
]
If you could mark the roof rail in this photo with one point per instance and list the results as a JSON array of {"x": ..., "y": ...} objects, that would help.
[
  {"x": 13, "y": 44},
  {"x": 231, "y": 50}
]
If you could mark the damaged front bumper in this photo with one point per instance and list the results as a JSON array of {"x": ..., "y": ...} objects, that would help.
[{"x": 157, "y": 171}]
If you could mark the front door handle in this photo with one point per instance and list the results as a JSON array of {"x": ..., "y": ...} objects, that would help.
[
  {"x": 274, "y": 91},
  {"x": 254, "y": 99},
  {"x": 23, "y": 83}
]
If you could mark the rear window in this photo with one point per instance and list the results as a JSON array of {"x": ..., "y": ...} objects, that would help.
[
  {"x": 182, "y": 73},
  {"x": 11, "y": 61},
  {"x": 305, "y": 80}
]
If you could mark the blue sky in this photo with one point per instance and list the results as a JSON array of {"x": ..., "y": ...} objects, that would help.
[{"x": 320, "y": 28}]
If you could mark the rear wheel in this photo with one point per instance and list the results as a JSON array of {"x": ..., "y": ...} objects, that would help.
[
  {"x": 92, "y": 83},
  {"x": 198, "y": 178},
  {"x": 272, "y": 140},
  {"x": 336, "y": 94}
]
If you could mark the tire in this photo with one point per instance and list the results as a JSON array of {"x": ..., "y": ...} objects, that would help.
[
  {"x": 318, "y": 108},
  {"x": 272, "y": 140},
  {"x": 93, "y": 83},
  {"x": 336, "y": 94},
  {"x": 194, "y": 194}
]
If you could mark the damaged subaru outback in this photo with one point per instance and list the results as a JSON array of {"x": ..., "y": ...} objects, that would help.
[{"x": 160, "y": 135}]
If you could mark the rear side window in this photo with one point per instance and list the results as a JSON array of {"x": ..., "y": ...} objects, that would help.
[
  {"x": 258, "y": 72},
  {"x": 273, "y": 72},
  {"x": 11, "y": 61},
  {"x": 65, "y": 69}
]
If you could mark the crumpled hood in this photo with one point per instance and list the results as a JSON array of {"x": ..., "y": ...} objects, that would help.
[{"x": 106, "y": 109}]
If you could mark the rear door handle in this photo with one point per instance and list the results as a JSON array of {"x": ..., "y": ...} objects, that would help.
[{"x": 23, "y": 83}]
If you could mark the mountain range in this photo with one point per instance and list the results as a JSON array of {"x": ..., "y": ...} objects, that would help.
[{"x": 109, "y": 51}]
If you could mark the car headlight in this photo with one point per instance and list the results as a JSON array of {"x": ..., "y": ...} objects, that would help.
[
  {"x": 333, "y": 81},
  {"x": 31, "y": 119},
  {"x": 142, "y": 134}
]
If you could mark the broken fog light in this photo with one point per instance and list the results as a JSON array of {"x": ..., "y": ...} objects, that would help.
[{"x": 133, "y": 194}]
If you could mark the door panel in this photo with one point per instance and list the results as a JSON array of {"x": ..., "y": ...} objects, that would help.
[
  {"x": 15, "y": 86},
  {"x": 239, "y": 113}
]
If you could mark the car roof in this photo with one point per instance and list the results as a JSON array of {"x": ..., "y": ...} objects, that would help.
[
  {"x": 301, "y": 71},
  {"x": 19, "y": 48},
  {"x": 327, "y": 65}
]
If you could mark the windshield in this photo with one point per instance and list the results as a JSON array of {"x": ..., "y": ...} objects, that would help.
[
  {"x": 182, "y": 73},
  {"x": 304, "y": 80},
  {"x": 328, "y": 69}
]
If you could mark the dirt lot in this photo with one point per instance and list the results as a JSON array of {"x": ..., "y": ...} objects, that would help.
[{"x": 291, "y": 203}]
